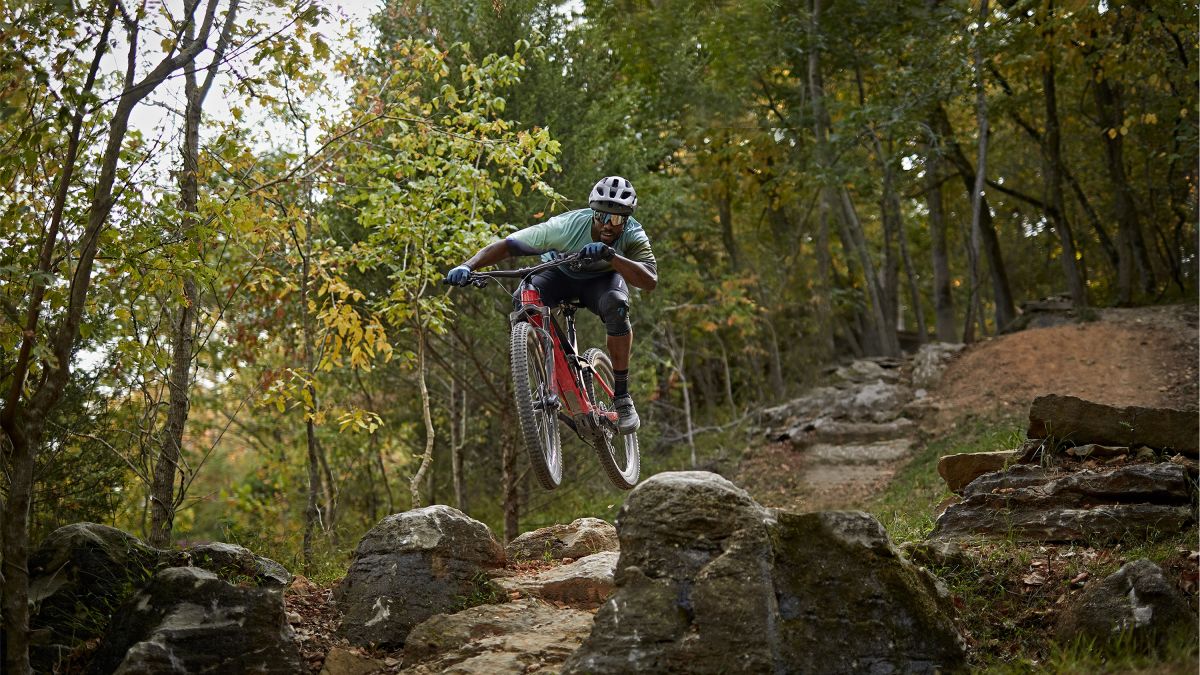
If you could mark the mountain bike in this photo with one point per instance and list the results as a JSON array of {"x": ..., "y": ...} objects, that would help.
[{"x": 553, "y": 382}]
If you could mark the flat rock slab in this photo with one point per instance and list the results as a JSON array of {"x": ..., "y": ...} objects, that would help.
[
  {"x": 585, "y": 583},
  {"x": 1078, "y": 421},
  {"x": 959, "y": 470},
  {"x": 526, "y": 636},
  {"x": 881, "y": 452},
  {"x": 835, "y": 432}
]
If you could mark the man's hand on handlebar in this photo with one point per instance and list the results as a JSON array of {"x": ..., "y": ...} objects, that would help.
[
  {"x": 459, "y": 276},
  {"x": 597, "y": 250}
]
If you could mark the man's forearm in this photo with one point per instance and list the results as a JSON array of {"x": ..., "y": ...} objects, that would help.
[
  {"x": 489, "y": 255},
  {"x": 636, "y": 274}
]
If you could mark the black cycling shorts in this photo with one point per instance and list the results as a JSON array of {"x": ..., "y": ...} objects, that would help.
[{"x": 606, "y": 296}]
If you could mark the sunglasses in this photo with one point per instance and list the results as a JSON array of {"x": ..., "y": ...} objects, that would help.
[{"x": 606, "y": 218}]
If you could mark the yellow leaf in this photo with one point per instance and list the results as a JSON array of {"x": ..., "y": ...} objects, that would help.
[{"x": 1112, "y": 133}]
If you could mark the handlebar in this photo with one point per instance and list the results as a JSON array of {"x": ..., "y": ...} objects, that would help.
[{"x": 480, "y": 279}]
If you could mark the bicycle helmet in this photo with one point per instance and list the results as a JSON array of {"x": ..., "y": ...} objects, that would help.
[{"x": 613, "y": 195}]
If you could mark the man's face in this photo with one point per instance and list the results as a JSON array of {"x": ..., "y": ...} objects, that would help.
[{"x": 607, "y": 227}]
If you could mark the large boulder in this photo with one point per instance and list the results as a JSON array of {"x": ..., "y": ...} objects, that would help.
[
  {"x": 526, "y": 636},
  {"x": 187, "y": 620},
  {"x": 710, "y": 581},
  {"x": 411, "y": 566},
  {"x": 583, "y": 537},
  {"x": 1137, "y": 600},
  {"x": 1077, "y": 421},
  {"x": 585, "y": 583},
  {"x": 1032, "y": 503},
  {"x": 78, "y": 577}
]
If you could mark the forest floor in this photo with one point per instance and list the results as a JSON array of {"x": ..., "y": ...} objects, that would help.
[{"x": 1139, "y": 356}]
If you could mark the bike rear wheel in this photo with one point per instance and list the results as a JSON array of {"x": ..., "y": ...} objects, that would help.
[
  {"x": 531, "y": 392},
  {"x": 619, "y": 454}
]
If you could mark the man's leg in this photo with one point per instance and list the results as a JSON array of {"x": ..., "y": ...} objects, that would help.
[
  {"x": 609, "y": 298},
  {"x": 619, "y": 347}
]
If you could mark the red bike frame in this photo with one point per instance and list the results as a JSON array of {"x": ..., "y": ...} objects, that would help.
[{"x": 564, "y": 379}]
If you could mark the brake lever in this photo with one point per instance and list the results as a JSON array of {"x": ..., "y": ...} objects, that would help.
[{"x": 480, "y": 281}]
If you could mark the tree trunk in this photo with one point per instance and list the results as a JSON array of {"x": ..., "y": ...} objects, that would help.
[
  {"x": 25, "y": 409},
  {"x": 981, "y": 116},
  {"x": 427, "y": 458},
  {"x": 1131, "y": 247},
  {"x": 989, "y": 243},
  {"x": 163, "y": 500},
  {"x": 943, "y": 298},
  {"x": 458, "y": 432},
  {"x": 1052, "y": 156},
  {"x": 508, "y": 480},
  {"x": 892, "y": 214},
  {"x": 851, "y": 228}
]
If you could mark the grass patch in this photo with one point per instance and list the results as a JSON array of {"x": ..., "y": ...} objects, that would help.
[{"x": 907, "y": 506}]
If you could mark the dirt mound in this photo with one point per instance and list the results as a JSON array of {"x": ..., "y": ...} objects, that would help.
[{"x": 1142, "y": 356}]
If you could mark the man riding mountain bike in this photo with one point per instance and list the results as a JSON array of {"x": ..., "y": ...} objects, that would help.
[{"x": 617, "y": 251}]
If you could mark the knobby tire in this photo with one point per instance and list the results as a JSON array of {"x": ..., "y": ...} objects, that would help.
[
  {"x": 623, "y": 472},
  {"x": 539, "y": 429}
]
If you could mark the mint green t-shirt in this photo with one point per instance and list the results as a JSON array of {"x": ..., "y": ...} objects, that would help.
[{"x": 569, "y": 232}]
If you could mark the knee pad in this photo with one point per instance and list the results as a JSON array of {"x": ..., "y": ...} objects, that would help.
[{"x": 614, "y": 311}]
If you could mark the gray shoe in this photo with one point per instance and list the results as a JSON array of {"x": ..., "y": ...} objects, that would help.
[{"x": 627, "y": 417}]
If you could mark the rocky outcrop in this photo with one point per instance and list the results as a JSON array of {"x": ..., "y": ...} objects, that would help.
[
  {"x": 411, "y": 566},
  {"x": 79, "y": 576},
  {"x": 1078, "y": 422},
  {"x": 187, "y": 620},
  {"x": 930, "y": 362},
  {"x": 230, "y": 562},
  {"x": 583, "y": 537},
  {"x": 526, "y": 636},
  {"x": 1035, "y": 503},
  {"x": 1137, "y": 600},
  {"x": 710, "y": 581},
  {"x": 584, "y": 583}
]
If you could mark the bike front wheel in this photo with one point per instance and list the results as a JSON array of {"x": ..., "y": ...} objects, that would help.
[
  {"x": 618, "y": 453},
  {"x": 538, "y": 418}
]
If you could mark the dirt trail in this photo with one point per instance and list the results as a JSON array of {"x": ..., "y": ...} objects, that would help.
[{"x": 1140, "y": 356}]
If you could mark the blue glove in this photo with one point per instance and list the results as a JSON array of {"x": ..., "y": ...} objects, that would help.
[
  {"x": 459, "y": 276},
  {"x": 598, "y": 250}
]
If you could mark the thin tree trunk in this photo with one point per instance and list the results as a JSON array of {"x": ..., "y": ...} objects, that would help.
[
  {"x": 728, "y": 375},
  {"x": 1052, "y": 154},
  {"x": 508, "y": 480},
  {"x": 989, "y": 243},
  {"x": 426, "y": 459},
  {"x": 981, "y": 116},
  {"x": 163, "y": 500},
  {"x": 457, "y": 440},
  {"x": 943, "y": 298},
  {"x": 892, "y": 213}
]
